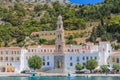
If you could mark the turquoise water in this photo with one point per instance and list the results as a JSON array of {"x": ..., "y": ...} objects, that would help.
[{"x": 60, "y": 78}]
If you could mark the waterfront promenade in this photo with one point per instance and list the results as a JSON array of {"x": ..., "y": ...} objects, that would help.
[{"x": 53, "y": 74}]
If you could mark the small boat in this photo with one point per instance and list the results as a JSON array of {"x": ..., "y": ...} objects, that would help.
[
  {"x": 33, "y": 76},
  {"x": 69, "y": 75}
]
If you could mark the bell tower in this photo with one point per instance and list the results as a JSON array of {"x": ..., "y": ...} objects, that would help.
[
  {"x": 60, "y": 42},
  {"x": 59, "y": 58}
]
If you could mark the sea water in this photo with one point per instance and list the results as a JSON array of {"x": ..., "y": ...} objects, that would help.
[{"x": 60, "y": 78}]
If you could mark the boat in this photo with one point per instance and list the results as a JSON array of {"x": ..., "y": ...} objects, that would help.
[
  {"x": 33, "y": 76},
  {"x": 69, "y": 75}
]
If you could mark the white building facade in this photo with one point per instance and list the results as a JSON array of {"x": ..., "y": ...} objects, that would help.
[
  {"x": 58, "y": 56},
  {"x": 11, "y": 59}
]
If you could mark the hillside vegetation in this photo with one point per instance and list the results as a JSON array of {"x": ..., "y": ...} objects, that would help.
[{"x": 18, "y": 20}]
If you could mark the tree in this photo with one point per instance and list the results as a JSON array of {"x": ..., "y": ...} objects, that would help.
[
  {"x": 38, "y": 8},
  {"x": 35, "y": 62},
  {"x": 116, "y": 67},
  {"x": 0, "y": 41},
  {"x": 104, "y": 68},
  {"x": 70, "y": 37},
  {"x": 42, "y": 41},
  {"x": 71, "y": 42},
  {"x": 78, "y": 66},
  {"x": 91, "y": 64},
  {"x": 93, "y": 35},
  {"x": 51, "y": 42}
]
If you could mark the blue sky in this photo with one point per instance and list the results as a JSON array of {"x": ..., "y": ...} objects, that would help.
[{"x": 86, "y": 1}]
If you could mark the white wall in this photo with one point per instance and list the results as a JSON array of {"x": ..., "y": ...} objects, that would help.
[
  {"x": 48, "y": 58},
  {"x": 80, "y": 56}
]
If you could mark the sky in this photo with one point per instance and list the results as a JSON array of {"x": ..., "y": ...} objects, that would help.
[{"x": 86, "y": 1}]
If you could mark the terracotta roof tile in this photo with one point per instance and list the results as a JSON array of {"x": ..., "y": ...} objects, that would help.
[
  {"x": 89, "y": 43},
  {"x": 67, "y": 46},
  {"x": 48, "y": 46},
  {"x": 11, "y": 48},
  {"x": 2, "y": 48},
  {"x": 35, "y": 46},
  {"x": 35, "y": 33},
  {"x": 118, "y": 53},
  {"x": 14, "y": 47}
]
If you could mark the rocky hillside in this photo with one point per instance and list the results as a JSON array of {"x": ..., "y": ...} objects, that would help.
[{"x": 18, "y": 20}]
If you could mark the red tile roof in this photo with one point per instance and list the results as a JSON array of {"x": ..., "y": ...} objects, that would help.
[
  {"x": 35, "y": 46},
  {"x": 118, "y": 53},
  {"x": 11, "y": 48},
  {"x": 48, "y": 46},
  {"x": 35, "y": 33},
  {"x": 89, "y": 43}
]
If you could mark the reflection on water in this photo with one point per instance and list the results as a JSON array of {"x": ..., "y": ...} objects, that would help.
[{"x": 59, "y": 78}]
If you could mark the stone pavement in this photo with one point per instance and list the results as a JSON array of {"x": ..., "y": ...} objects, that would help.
[{"x": 54, "y": 74}]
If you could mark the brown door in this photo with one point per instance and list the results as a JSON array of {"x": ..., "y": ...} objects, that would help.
[
  {"x": 3, "y": 69},
  {"x": 59, "y": 64}
]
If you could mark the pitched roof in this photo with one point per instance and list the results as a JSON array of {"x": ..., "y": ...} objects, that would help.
[
  {"x": 118, "y": 53},
  {"x": 11, "y": 48},
  {"x": 48, "y": 46},
  {"x": 35, "y": 33},
  {"x": 35, "y": 46},
  {"x": 89, "y": 43}
]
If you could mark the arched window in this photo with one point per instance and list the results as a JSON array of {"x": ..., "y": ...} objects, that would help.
[
  {"x": 83, "y": 51},
  {"x": 48, "y": 63},
  {"x": 59, "y": 26},
  {"x": 78, "y": 59},
  {"x": 60, "y": 36},
  {"x": 41, "y": 50},
  {"x": 59, "y": 47},
  {"x": 44, "y": 50},
  {"x": 77, "y": 50},
  {"x": 71, "y": 64},
  {"x": 6, "y": 52},
  {"x": 47, "y": 57},
  {"x": 50, "y": 33},
  {"x": 43, "y": 58},
  {"x": 6, "y": 58},
  {"x": 43, "y": 63},
  {"x": 11, "y": 58},
  {"x": 32, "y": 50},
  {"x": 51, "y": 50},
  {"x": 1, "y": 58},
  {"x": 18, "y": 52},
  {"x": 17, "y": 58},
  {"x": 68, "y": 50},
  {"x": 72, "y": 50},
  {"x": 103, "y": 49},
  {"x": 29, "y": 50},
  {"x": 1, "y": 52}
]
